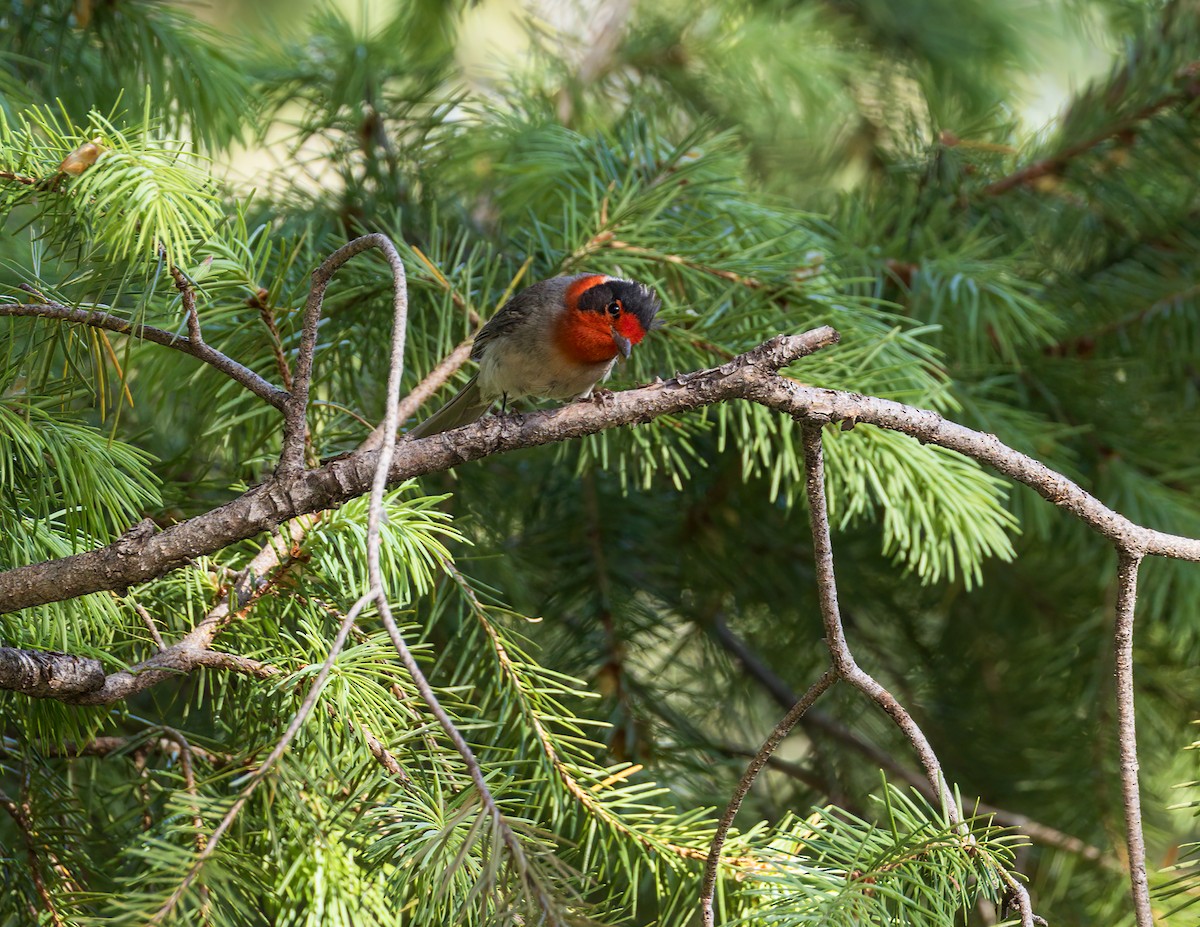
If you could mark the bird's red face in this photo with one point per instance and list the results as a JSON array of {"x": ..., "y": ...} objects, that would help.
[{"x": 605, "y": 317}]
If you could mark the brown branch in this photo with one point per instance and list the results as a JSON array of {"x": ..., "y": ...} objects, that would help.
[
  {"x": 107, "y": 745},
  {"x": 48, "y": 674},
  {"x": 21, "y": 819},
  {"x": 846, "y": 668},
  {"x": 148, "y": 621},
  {"x": 749, "y": 376},
  {"x": 782, "y": 729},
  {"x": 188, "y": 295},
  {"x": 835, "y": 636},
  {"x": 19, "y": 178},
  {"x": 199, "y": 350},
  {"x": 815, "y": 720},
  {"x": 291, "y": 460},
  {"x": 267, "y": 314},
  {"x": 1056, "y": 164},
  {"x": 194, "y": 648},
  {"x": 1135, "y": 841}
]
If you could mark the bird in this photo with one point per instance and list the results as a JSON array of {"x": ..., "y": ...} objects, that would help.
[{"x": 556, "y": 339}]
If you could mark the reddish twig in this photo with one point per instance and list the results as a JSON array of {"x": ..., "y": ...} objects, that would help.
[
  {"x": 1055, "y": 164},
  {"x": 21, "y": 819}
]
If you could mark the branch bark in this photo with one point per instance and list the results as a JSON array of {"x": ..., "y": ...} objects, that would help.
[
  {"x": 846, "y": 668},
  {"x": 239, "y": 373},
  {"x": 782, "y": 729},
  {"x": 751, "y": 376},
  {"x": 1127, "y": 577},
  {"x": 48, "y": 674}
]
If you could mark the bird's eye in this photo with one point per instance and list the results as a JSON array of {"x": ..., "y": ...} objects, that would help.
[{"x": 614, "y": 308}]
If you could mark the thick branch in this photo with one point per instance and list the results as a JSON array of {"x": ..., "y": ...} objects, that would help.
[
  {"x": 749, "y": 376},
  {"x": 197, "y": 349},
  {"x": 47, "y": 674}
]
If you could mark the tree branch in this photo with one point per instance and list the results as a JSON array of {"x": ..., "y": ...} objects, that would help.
[
  {"x": 291, "y": 460},
  {"x": 197, "y": 349},
  {"x": 846, "y": 668},
  {"x": 1057, "y": 163},
  {"x": 376, "y": 594},
  {"x": 21, "y": 819},
  {"x": 749, "y": 376},
  {"x": 815, "y": 720},
  {"x": 1127, "y": 577},
  {"x": 835, "y": 636},
  {"x": 782, "y": 729},
  {"x": 48, "y": 674}
]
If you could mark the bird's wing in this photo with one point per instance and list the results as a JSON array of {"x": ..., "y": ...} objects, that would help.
[{"x": 516, "y": 312}]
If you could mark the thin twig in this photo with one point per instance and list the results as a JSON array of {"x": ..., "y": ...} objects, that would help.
[
  {"x": 835, "y": 635},
  {"x": 19, "y": 178},
  {"x": 293, "y": 729},
  {"x": 104, "y": 746},
  {"x": 188, "y": 295},
  {"x": 189, "y": 782},
  {"x": 782, "y": 729},
  {"x": 21, "y": 819},
  {"x": 295, "y": 426},
  {"x": 817, "y": 721},
  {"x": 846, "y": 668},
  {"x": 1135, "y": 841},
  {"x": 1057, "y": 163},
  {"x": 421, "y": 393},
  {"x": 267, "y": 314},
  {"x": 199, "y": 350},
  {"x": 148, "y": 621},
  {"x": 391, "y": 423}
]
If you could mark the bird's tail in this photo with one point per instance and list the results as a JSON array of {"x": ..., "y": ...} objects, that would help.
[{"x": 466, "y": 406}]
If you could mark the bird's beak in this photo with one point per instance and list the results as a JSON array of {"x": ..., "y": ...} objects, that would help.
[{"x": 623, "y": 344}]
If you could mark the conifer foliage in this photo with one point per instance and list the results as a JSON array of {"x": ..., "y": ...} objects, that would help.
[{"x": 609, "y": 627}]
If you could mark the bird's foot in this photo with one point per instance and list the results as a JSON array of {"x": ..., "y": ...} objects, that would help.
[{"x": 599, "y": 396}]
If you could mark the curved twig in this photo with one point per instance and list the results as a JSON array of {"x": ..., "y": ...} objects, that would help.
[
  {"x": 846, "y": 668},
  {"x": 782, "y": 729},
  {"x": 291, "y": 460}
]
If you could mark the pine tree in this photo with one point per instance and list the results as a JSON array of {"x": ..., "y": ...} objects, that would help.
[{"x": 614, "y": 624}]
